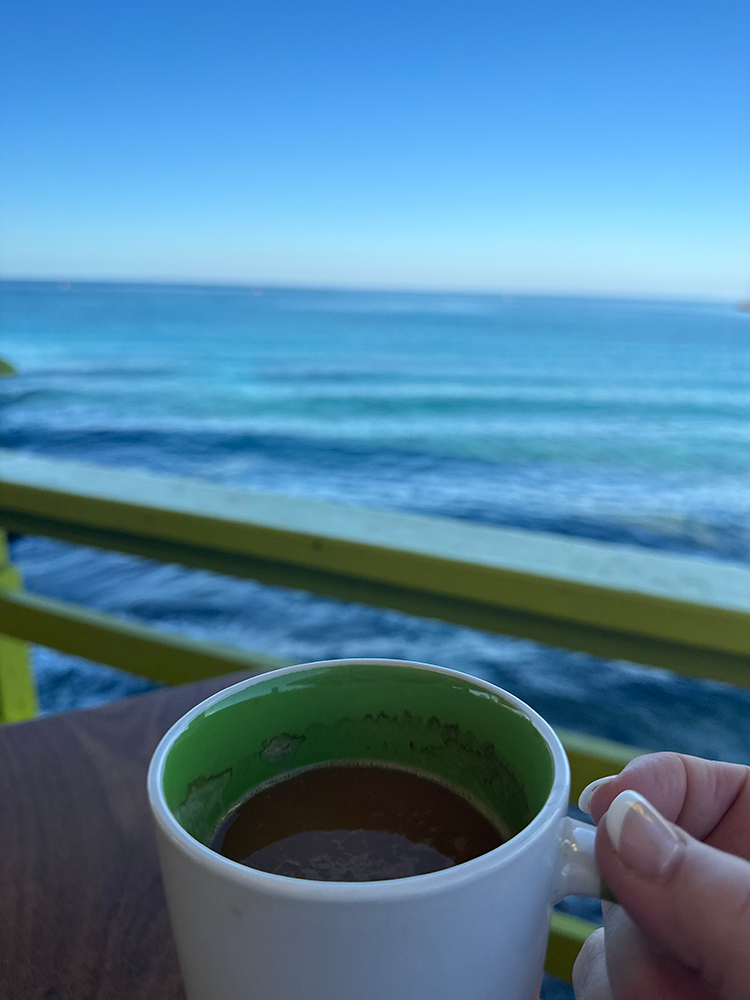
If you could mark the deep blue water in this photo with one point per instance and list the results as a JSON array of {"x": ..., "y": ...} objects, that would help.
[{"x": 616, "y": 420}]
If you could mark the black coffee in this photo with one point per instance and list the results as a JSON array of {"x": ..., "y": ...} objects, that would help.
[{"x": 355, "y": 823}]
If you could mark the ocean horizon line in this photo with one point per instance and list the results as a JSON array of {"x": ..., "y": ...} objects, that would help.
[{"x": 260, "y": 288}]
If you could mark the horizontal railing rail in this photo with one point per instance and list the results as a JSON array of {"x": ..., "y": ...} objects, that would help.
[
  {"x": 661, "y": 610},
  {"x": 688, "y": 615},
  {"x": 174, "y": 658}
]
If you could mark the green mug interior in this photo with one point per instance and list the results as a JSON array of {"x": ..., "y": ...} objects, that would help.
[{"x": 409, "y": 716}]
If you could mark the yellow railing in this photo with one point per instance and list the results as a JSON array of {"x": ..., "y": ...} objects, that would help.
[
  {"x": 669, "y": 611},
  {"x": 656, "y": 609},
  {"x": 17, "y": 692}
]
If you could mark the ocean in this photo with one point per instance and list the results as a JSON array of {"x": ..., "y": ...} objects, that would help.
[{"x": 626, "y": 421}]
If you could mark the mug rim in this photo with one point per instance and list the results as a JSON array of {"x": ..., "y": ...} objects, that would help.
[{"x": 311, "y": 889}]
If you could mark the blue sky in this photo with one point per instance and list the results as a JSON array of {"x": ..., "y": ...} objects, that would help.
[{"x": 555, "y": 147}]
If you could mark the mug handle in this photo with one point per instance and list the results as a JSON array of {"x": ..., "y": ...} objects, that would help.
[{"x": 578, "y": 874}]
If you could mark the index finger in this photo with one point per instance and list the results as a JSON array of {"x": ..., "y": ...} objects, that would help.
[{"x": 709, "y": 799}]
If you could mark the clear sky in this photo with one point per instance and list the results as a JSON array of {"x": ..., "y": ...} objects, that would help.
[{"x": 577, "y": 146}]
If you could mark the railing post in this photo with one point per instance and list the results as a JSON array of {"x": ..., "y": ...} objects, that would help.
[{"x": 17, "y": 689}]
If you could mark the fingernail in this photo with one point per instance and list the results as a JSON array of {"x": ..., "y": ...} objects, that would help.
[
  {"x": 584, "y": 799},
  {"x": 644, "y": 840}
]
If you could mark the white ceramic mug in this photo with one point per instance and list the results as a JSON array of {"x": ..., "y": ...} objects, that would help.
[{"x": 476, "y": 931}]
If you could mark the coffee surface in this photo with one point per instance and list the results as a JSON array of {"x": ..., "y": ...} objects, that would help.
[{"x": 355, "y": 823}]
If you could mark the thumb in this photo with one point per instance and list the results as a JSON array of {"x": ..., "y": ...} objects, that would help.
[{"x": 691, "y": 899}]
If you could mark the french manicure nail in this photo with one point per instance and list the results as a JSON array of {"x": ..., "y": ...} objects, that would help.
[
  {"x": 644, "y": 840},
  {"x": 584, "y": 799}
]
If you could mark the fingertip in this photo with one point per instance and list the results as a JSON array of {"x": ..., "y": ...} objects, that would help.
[
  {"x": 644, "y": 841},
  {"x": 584, "y": 799},
  {"x": 590, "y": 980},
  {"x": 619, "y": 809}
]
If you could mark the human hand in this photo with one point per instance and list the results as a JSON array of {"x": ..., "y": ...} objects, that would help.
[{"x": 682, "y": 929}]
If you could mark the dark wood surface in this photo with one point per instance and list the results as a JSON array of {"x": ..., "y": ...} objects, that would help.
[{"x": 82, "y": 910}]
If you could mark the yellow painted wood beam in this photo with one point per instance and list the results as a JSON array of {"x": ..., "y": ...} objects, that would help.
[
  {"x": 18, "y": 699},
  {"x": 567, "y": 934},
  {"x": 94, "y": 635},
  {"x": 173, "y": 658},
  {"x": 688, "y": 615},
  {"x": 591, "y": 758}
]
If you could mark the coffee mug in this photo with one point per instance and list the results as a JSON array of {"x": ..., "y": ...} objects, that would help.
[{"x": 475, "y": 931}]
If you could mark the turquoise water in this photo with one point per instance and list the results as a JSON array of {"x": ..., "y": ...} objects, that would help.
[{"x": 615, "y": 420}]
